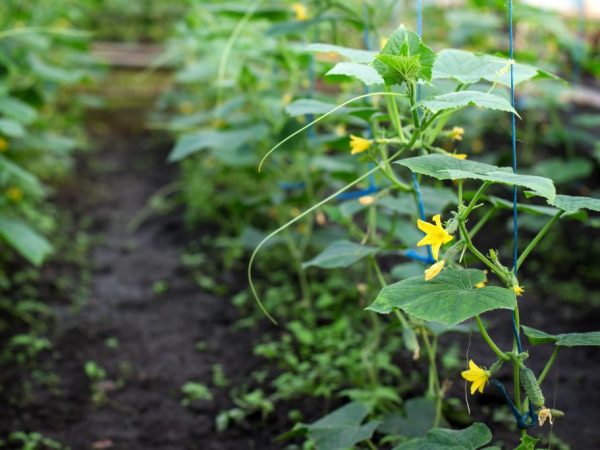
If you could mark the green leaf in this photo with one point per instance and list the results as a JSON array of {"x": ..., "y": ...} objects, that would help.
[
  {"x": 11, "y": 128},
  {"x": 353, "y": 54},
  {"x": 342, "y": 429},
  {"x": 445, "y": 167},
  {"x": 24, "y": 239},
  {"x": 468, "y": 68},
  {"x": 404, "y": 58},
  {"x": 450, "y": 298},
  {"x": 536, "y": 337},
  {"x": 535, "y": 210},
  {"x": 471, "y": 438},
  {"x": 570, "y": 203},
  {"x": 563, "y": 170},
  {"x": 54, "y": 73},
  {"x": 189, "y": 144},
  {"x": 419, "y": 414},
  {"x": 462, "y": 99},
  {"x": 21, "y": 176},
  {"x": 304, "y": 106},
  {"x": 17, "y": 110},
  {"x": 361, "y": 72},
  {"x": 527, "y": 443},
  {"x": 340, "y": 253}
]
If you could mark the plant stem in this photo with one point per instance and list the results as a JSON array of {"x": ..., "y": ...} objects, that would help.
[
  {"x": 489, "y": 341},
  {"x": 473, "y": 201},
  {"x": 548, "y": 365},
  {"x": 478, "y": 254},
  {"x": 538, "y": 237},
  {"x": 395, "y": 116}
]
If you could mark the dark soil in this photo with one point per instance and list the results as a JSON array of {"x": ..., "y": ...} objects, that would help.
[{"x": 156, "y": 333}]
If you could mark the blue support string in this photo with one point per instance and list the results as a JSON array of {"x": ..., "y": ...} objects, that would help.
[
  {"x": 525, "y": 420},
  {"x": 514, "y": 164}
]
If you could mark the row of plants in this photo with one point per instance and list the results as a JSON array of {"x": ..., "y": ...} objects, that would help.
[
  {"x": 381, "y": 164},
  {"x": 43, "y": 64}
]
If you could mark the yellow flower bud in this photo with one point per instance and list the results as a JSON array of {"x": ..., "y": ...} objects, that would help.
[
  {"x": 358, "y": 144},
  {"x": 434, "y": 270}
]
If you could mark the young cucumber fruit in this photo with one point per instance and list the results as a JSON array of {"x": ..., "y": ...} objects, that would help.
[{"x": 531, "y": 387}]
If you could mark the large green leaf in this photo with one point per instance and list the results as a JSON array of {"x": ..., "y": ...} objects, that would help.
[
  {"x": 462, "y": 99},
  {"x": 340, "y": 253},
  {"x": 191, "y": 143},
  {"x": 563, "y": 170},
  {"x": 536, "y": 337},
  {"x": 419, "y": 415},
  {"x": 404, "y": 58},
  {"x": 361, "y": 72},
  {"x": 450, "y": 298},
  {"x": 468, "y": 68},
  {"x": 24, "y": 239},
  {"x": 17, "y": 110},
  {"x": 342, "y": 429},
  {"x": 353, "y": 54},
  {"x": 471, "y": 438},
  {"x": 445, "y": 167},
  {"x": 570, "y": 203}
]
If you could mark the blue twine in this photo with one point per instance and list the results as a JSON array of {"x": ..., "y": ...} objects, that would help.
[
  {"x": 350, "y": 195},
  {"x": 291, "y": 185},
  {"x": 514, "y": 164},
  {"x": 525, "y": 420},
  {"x": 415, "y": 255}
]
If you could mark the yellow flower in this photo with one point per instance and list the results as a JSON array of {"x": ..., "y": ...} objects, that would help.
[
  {"x": 518, "y": 290},
  {"x": 3, "y": 144},
  {"x": 477, "y": 376},
  {"x": 358, "y": 144},
  {"x": 458, "y": 155},
  {"x": 366, "y": 200},
  {"x": 14, "y": 194},
  {"x": 300, "y": 11},
  {"x": 436, "y": 236},
  {"x": 382, "y": 42},
  {"x": 456, "y": 133},
  {"x": 434, "y": 270}
]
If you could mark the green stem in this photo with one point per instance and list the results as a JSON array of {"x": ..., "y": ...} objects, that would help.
[
  {"x": 413, "y": 102},
  {"x": 535, "y": 241},
  {"x": 548, "y": 365},
  {"x": 465, "y": 235},
  {"x": 474, "y": 200},
  {"x": 395, "y": 116},
  {"x": 489, "y": 341}
]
